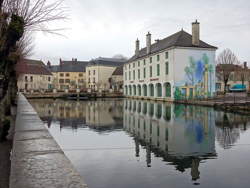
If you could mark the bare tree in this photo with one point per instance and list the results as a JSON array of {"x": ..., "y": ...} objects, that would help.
[
  {"x": 243, "y": 73},
  {"x": 37, "y": 13},
  {"x": 17, "y": 19},
  {"x": 226, "y": 62}
]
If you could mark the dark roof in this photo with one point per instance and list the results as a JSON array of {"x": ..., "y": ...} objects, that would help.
[
  {"x": 179, "y": 39},
  {"x": 69, "y": 66},
  {"x": 29, "y": 66},
  {"x": 118, "y": 71},
  {"x": 114, "y": 62}
]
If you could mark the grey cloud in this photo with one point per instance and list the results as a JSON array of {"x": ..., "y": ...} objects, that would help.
[{"x": 105, "y": 28}]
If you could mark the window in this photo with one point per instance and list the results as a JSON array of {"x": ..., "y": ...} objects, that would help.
[
  {"x": 89, "y": 80},
  {"x": 89, "y": 72},
  {"x": 94, "y": 72},
  {"x": 144, "y": 72},
  {"x": 133, "y": 74},
  {"x": 67, "y": 74},
  {"x": 61, "y": 81},
  {"x": 138, "y": 63},
  {"x": 80, "y": 74},
  {"x": 144, "y": 61},
  {"x": 129, "y": 75},
  {"x": 125, "y": 76},
  {"x": 167, "y": 68},
  {"x": 61, "y": 74},
  {"x": 150, "y": 71},
  {"x": 31, "y": 79},
  {"x": 133, "y": 65},
  {"x": 158, "y": 69},
  {"x": 129, "y": 66},
  {"x": 158, "y": 57},
  {"x": 26, "y": 79},
  {"x": 49, "y": 79},
  {"x": 166, "y": 55},
  {"x": 67, "y": 81},
  {"x": 94, "y": 80},
  {"x": 150, "y": 59},
  {"x": 218, "y": 86},
  {"x": 138, "y": 74}
]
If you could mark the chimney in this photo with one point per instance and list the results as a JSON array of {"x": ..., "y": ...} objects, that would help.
[
  {"x": 148, "y": 40},
  {"x": 196, "y": 33},
  {"x": 245, "y": 65},
  {"x": 60, "y": 62},
  {"x": 137, "y": 47}
]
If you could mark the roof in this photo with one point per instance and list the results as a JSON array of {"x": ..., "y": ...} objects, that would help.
[
  {"x": 30, "y": 66},
  {"x": 118, "y": 71},
  {"x": 113, "y": 62},
  {"x": 179, "y": 39},
  {"x": 69, "y": 66}
]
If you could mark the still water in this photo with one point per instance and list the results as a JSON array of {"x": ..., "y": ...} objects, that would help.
[{"x": 132, "y": 143}]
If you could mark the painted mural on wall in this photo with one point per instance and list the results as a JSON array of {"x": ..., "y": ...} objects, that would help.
[{"x": 198, "y": 81}]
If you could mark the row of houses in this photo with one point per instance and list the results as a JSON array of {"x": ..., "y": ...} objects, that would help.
[
  {"x": 176, "y": 67},
  {"x": 101, "y": 74}
]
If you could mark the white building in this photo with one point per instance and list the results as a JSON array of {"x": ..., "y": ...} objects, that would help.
[
  {"x": 177, "y": 67},
  {"x": 99, "y": 71}
]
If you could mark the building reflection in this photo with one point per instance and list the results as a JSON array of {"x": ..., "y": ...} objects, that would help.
[
  {"x": 182, "y": 135},
  {"x": 229, "y": 127},
  {"x": 100, "y": 115}
]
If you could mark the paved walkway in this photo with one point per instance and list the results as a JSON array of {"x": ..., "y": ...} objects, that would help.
[{"x": 37, "y": 160}]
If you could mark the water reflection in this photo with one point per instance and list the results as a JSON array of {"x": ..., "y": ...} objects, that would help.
[
  {"x": 180, "y": 136},
  {"x": 98, "y": 115}
]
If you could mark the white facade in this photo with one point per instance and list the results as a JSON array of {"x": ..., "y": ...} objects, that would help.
[
  {"x": 178, "y": 67},
  {"x": 97, "y": 77},
  {"x": 168, "y": 72}
]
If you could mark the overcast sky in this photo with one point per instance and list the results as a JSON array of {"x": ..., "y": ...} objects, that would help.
[{"x": 107, "y": 27}]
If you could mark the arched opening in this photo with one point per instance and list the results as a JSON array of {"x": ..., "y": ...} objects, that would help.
[
  {"x": 151, "y": 90},
  {"x": 144, "y": 110},
  {"x": 139, "y": 107},
  {"x": 167, "y": 113},
  {"x": 130, "y": 90},
  {"x": 167, "y": 89},
  {"x": 151, "y": 109},
  {"x": 126, "y": 90},
  {"x": 144, "y": 90},
  {"x": 139, "y": 90},
  {"x": 158, "y": 90},
  {"x": 158, "y": 111},
  {"x": 134, "y": 90}
]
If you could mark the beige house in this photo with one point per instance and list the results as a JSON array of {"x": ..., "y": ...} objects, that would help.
[
  {"x": 69, "y": 75},
  {"x": 99, "y": 71},
  {"x": 34, "y": 76}
]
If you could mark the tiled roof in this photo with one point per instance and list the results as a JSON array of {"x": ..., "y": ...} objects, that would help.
[
  {"x": 118, "y": 71},
  {"x": 69, "y": 66},
  {"x": 29, "y": 66},
  {"x": 179, "y": 39},
  {"x": 114, "y": 62}
]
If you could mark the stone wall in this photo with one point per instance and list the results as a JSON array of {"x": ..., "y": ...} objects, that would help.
[{"x": 37, "y": 160}]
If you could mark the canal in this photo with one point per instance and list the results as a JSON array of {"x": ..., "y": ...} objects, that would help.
[{"x": 132, "y": 143}]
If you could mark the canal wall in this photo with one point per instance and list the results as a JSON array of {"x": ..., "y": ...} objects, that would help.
[{"x": 37, "y": 160}]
